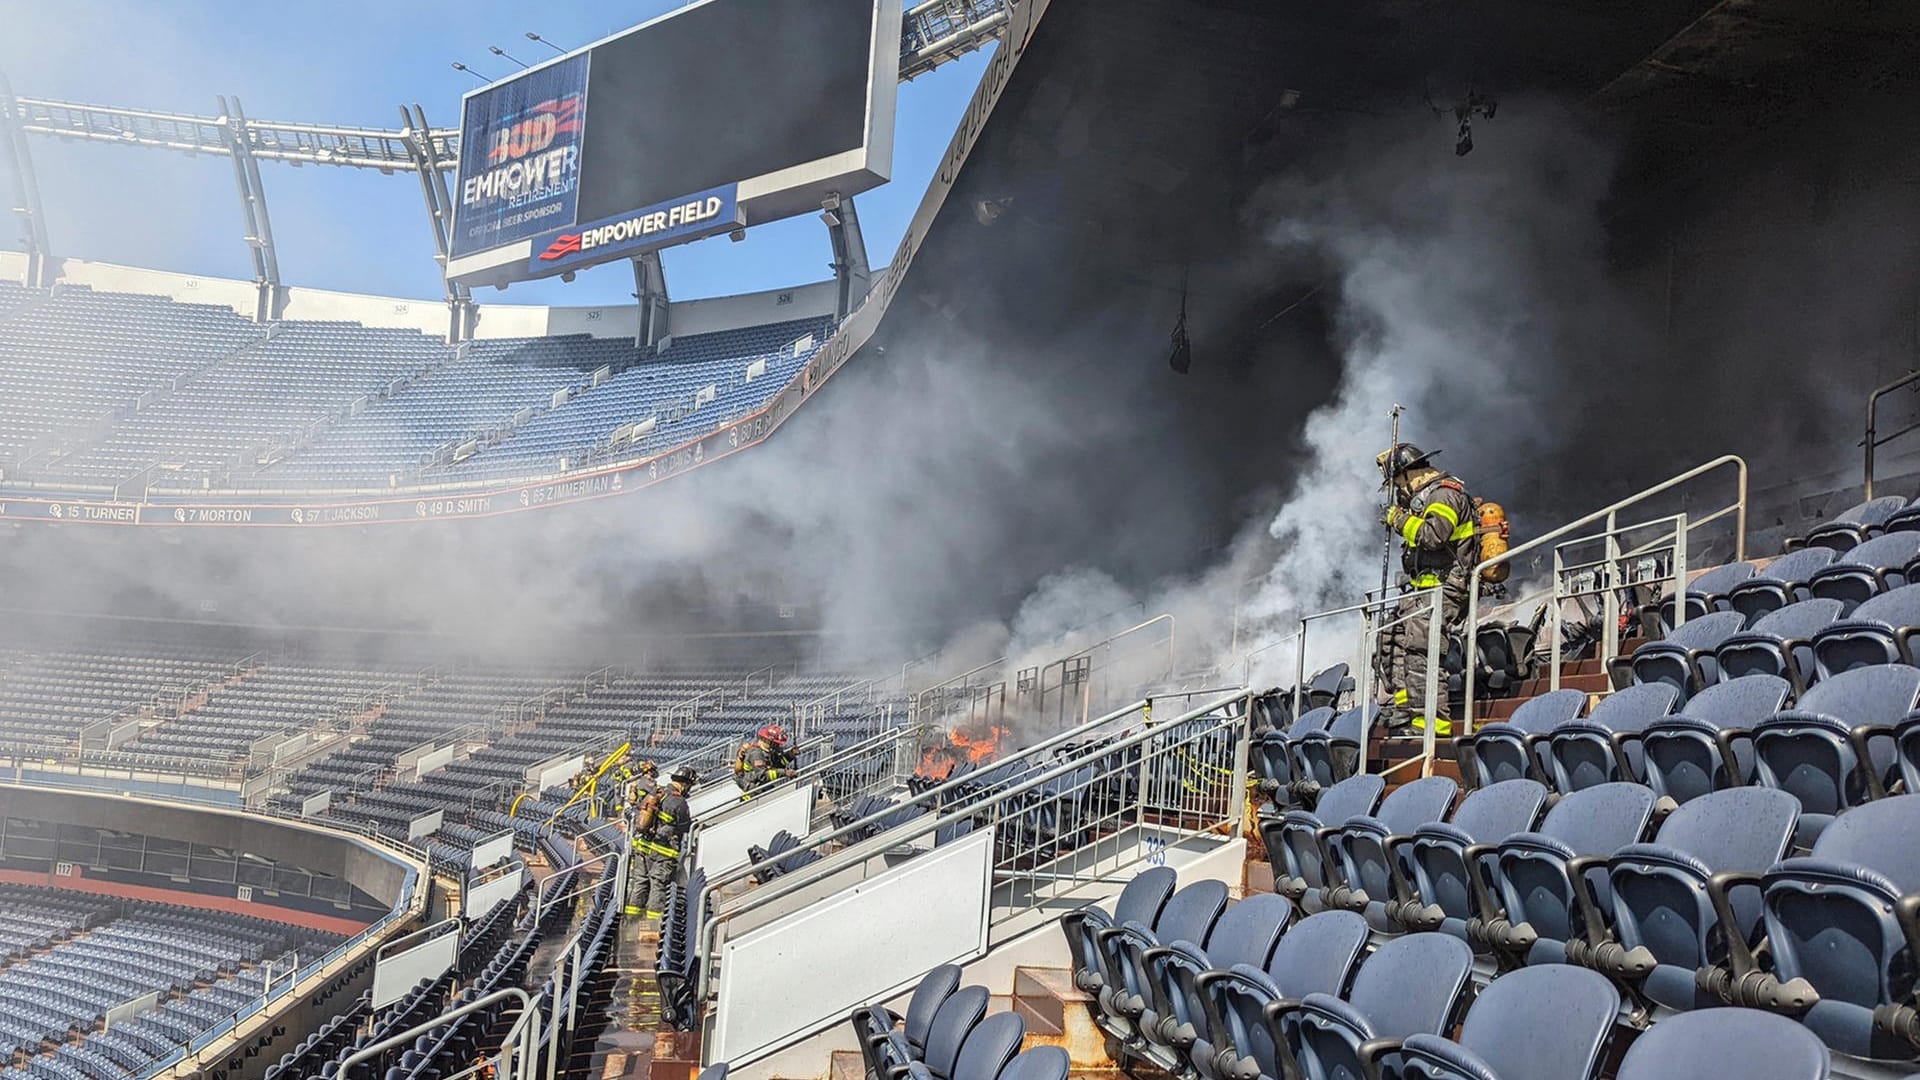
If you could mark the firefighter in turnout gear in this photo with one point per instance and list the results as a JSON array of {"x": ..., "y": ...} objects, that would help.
[
  {"x": 763, "y": 760},
  {"x": 658, "y": 831},
  {"x": 1434, "y": 517}
]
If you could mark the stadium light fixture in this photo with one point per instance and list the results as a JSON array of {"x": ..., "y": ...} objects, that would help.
[
  {"x": 531, "y": 36},
  {"x": 458, "y": 66},
  {"x": 498, "y": 51}
]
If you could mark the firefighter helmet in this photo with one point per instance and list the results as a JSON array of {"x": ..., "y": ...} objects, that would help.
[
  {"x": 684, "y": 776},
  {"x": 648, "y": 768},
  {"x": 775, "y": 734},
  {"x": 1402, "y": 457}
]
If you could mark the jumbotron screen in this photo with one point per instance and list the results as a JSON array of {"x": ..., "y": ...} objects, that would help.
[{"x": 721, "y": 114}]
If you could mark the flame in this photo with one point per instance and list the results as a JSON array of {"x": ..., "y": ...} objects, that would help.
[{"x": 979, "y": 745}]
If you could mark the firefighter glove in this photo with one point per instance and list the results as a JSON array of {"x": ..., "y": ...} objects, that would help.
[{"x": 1394, "y": 518}]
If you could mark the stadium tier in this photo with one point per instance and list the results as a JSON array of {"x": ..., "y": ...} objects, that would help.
[{"x": 106, "y": 388}]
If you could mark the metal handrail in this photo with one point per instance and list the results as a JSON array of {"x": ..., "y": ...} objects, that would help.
[
  {"x": 933, "y": 794},
  {"x": 1609, "y": 514},
  {"x": 1872, "y": 442},
  {"x": 926, "y": 824}
]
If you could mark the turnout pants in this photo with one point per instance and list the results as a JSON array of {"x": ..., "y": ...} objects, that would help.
[
  {"x": 1400, "y": 661},
  {"x": 660, "y": 871}
]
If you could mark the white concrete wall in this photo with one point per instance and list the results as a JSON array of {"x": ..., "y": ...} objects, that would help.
[
  {"x": 13, "y": 266},
  {"x": 430, "y": 316}
]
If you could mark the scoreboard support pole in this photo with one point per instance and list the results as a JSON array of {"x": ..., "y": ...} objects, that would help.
[
  {"x": 650, "y": 290},
  {"x": 851, "y": 273}
]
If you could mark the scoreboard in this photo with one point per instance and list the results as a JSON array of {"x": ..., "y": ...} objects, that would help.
[{"x": 721, "y": 114}]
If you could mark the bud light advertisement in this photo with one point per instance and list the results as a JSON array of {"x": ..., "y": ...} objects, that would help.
[{"x": 520, "y": 156}]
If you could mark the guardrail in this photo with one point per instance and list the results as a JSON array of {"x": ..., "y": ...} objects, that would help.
[
  {"x": 1610, "y": 535},
  {"x": 302, "y": 976},
  {"x": 932, "y": 797},
  {"x": 1068, "y": 827}
]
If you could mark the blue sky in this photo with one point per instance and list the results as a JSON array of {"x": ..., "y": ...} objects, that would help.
[{"x": 352, "y": 62}]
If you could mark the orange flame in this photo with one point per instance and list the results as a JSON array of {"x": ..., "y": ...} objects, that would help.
[{"x": 979, "y": 746}]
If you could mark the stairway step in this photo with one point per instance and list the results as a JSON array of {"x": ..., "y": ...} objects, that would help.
[{"x": 1059, "y": 1013}]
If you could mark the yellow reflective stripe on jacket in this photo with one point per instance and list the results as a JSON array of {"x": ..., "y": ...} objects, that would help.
[
  {"x": 1410, "y": 528},
  {"x": 1425, "y": 581},
  {"x": 650, "y": 847}
]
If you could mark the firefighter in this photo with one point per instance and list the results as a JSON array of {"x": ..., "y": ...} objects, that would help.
[
  {"x": 658, "y": 831},
  {"x": 1434, "y": 517},
  {"x": 764, "y": 759}
]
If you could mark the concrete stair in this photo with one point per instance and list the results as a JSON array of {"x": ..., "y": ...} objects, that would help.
[{"x": 1057, "y": 1013}]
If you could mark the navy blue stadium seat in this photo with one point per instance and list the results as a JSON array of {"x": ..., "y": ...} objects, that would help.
[
  {"x": 1877, "y": 566},
  {"x": 1316, "y": 955},
  {"x": 1246, "y": 934},
  {"x": 989, "y": 1047},
  {"x": 1188, "y": 916},
  {"x": 1876, "y": 633},
  {"x": 873, "y": 1023},
  {"x": 1539, "y": 1023},
  {"x": 1840, "y": 933},
  {"x": 1783, "y": 581},
  {"x": 1708, "y": 745},
  {"x": 1412, "y": 985},
  {"x": 1835, "y": 749},
  {"x": 1293, "y": 841},
  {"x": 1439, "y": 891},
  {"x": 952, "y": 1022},
  {"x": 1855, "y": 525},
  {"x": 1326, "y": 686},
  {"x": 1665, "y": 929},
  {"x": 1779, "y": 643},
  {"x": 1140, "y": 901},
  {"x": 1604, "y": 746},
  {"x": 1511, "y": 749},
  {"x": 1744, "y": 1043},
  {"x": 1038, "y": 1063},
  {"x": 1529, "y": 913},
  {"x": 1360, "y": 874},
  {"x": 1706, "y": 593},
  {"x": 1325, "y": 757},
  {"x": 1684, "y": 659}
]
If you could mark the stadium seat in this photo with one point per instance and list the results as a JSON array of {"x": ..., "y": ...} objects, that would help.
[
  {"x": 987, "y": 1050},
  {"x": 1293, "y": 840},
  {"x": 1528, "y": 914},
  {"x": 1246, "y": 934},
  {"x": 1510, "y": 749},
  {"x": 1326, "y": 686},
  {"x": 1779, "y": 643},
  {"x": 1876, "y": 633},
  {"x": 1541, "y": 1023},
  {"x": 1665, "y": 929},
  {"x": 1835, "y": 749},
  {"x": 1412, "y": 985},
  {"x": 1743, "y": 1043},
  {"x": 873, "y": 1023},
  {"x": 1839, "y": 931},
  {"x": 1139, "y": 902},
  {"x": 1038, "y": 1063},
  {"x": 1325, "y": 757},
  {"x": 1439, "y": 891},
  {"x": 1877, "y": 566},
  {"x": 1706, "y": 593},
  {"x": 1188, "y": 916},
  {"x": 1783, "y": 581},
  {"x": 1316, "y": 955},
  {"x": 1360, "y": 870},
  {"x": 952, "y": 1022},
  {"x": 1708, "y": 745},
  {"x": 1604, "y": 746},
  {"x": 1683, "y": 659},
  {"x": 1853, "y": 526}
]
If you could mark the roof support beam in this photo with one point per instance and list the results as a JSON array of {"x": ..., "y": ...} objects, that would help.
[
  {"x": 253, "y": 210},
  {"x": 422, "y": 147},
  {"x": 26, "y": 188},
  {"x": 852, "y": 274}
]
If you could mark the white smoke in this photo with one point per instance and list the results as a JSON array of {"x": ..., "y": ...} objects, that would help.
[{"x": 1461, "y": 281}]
